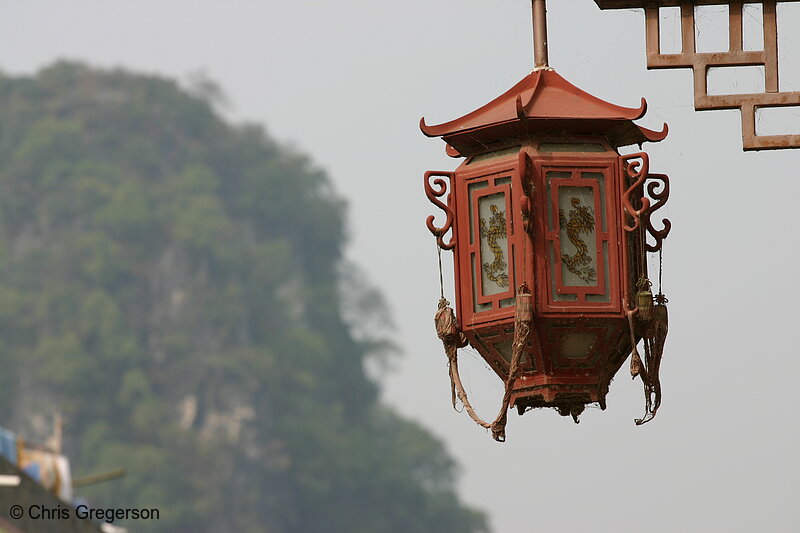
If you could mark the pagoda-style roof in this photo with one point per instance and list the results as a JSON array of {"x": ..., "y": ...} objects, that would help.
[{"x": 544, "y": 103}]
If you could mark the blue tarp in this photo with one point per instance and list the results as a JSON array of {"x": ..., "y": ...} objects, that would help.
[
  {"x": 34, "y": 471},
  {"x": 8, "y": 445}
]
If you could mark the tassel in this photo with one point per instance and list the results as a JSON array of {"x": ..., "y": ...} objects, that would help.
[
  {"x": 654, "y": 339},
  {"x": 445, "y": 321},
  {"x": 447, "y": 326},
  {"x": 636, "y": 363},
  {"x": 644, "y": 300},
  {"x": 523, "y": 317},
  {"x": 452, "y": 338},
  {"x": 659, "y": 316}
]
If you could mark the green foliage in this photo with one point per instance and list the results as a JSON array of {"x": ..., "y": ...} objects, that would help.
[{"x": 172, "y": 285}]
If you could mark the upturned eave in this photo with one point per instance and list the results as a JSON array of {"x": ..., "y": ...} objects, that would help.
[{"x": 545, "y": 102}]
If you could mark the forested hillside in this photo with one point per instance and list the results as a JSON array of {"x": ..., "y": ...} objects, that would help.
[{"x": 173, "y": 286}]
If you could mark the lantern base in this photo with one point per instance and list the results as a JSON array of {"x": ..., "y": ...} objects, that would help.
[{"x": 566, "y": 399}]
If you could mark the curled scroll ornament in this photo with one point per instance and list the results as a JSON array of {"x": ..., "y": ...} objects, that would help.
[
  {"x": 660, "y": 195},
  {"x": 434, "y": 190},
  {"x": 636, "y": 172}
]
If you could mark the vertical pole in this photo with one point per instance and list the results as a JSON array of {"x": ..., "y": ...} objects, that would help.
[{"x": 539, "y": 9}]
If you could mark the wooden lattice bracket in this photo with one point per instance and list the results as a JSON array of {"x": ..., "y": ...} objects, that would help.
[{"x": 736, "y": 56}]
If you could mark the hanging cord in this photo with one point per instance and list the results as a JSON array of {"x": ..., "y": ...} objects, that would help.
[
  {"x": 447, "y": 329},
  {"x": 652, "y": 317},
  {"x": 441, "y": 276},
  {"x": 660, "y": 268},
  {"x": 642, "y": 251},
  {"x": 655, "y": 336},
  {"x": 452, "y": 338},
  {"x": 523, "y": 315},
  {"x": 637, "y": 366},
  {"x": 636, "y": 361}
]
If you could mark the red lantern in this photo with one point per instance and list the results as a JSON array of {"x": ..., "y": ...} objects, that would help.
[{"x": 550, "y": 226}]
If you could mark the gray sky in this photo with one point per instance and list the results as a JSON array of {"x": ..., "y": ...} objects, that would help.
[{"x": 347, "y": 82}]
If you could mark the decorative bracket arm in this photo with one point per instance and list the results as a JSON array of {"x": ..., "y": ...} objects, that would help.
[
  {"x": 434, "y": 190},
  {"x": 654, "y": 194},
  {"x": 526, "y": 206},
  {"x": 635, "y": 171},
  {"x": 660, "y": 197}
]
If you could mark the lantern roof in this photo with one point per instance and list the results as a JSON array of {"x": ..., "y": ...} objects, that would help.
[{"x": 544, "y": 102}]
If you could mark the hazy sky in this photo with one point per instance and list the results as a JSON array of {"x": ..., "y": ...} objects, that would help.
[{"x": 347, "y": 82}]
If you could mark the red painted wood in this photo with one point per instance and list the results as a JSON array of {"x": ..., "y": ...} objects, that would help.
[{"x": 545, "y": 109}]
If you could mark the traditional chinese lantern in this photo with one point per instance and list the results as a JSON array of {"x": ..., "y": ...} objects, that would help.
[{"x": 550, "y": 227}]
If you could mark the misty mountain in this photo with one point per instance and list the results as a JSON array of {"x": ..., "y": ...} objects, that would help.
[{"x": 175, "y": 287}]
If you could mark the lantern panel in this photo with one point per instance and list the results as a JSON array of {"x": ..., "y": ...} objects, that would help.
[
  {"x": 557, "y": 296},
  {"x": 605, "y": 297},
  {"x": 479, "y": 308},
  {"x": 494, "y": 256},
  {"x": 571, "y": 347},
  {"x": 578, "y": 238},
  {"x": 549, "y": 147},
  {"x": 495, "y": 345},
  {"x": 486, "y": 156},
  {"x": 577, "y": 345},
  {"x": 504, "y": 348},
  {"x": 490, "y": 231}
]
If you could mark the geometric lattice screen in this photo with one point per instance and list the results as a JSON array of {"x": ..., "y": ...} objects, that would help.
[{"x": 701, "y": 63}]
